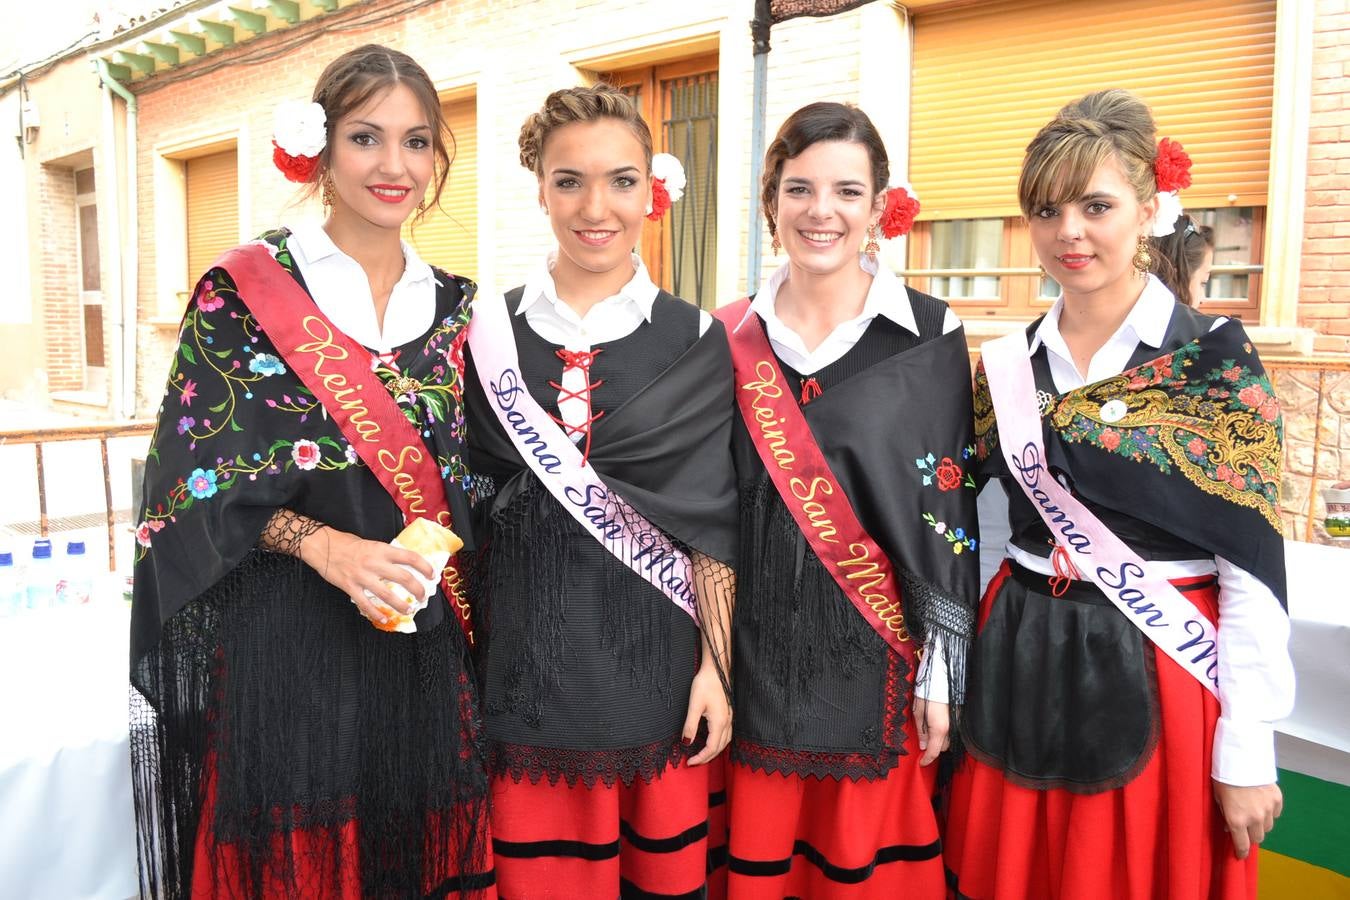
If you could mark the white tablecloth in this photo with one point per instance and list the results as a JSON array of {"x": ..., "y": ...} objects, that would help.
[
  {"x": 67, "y": 827},
  {"x": 1319, "y": 614}
]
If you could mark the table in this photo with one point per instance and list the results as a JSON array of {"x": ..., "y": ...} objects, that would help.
[
  {"x": 67, "y": 827},
  {"x": 1319, "y": 613}
]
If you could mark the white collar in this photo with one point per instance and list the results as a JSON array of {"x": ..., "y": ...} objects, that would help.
[
  {"x": 640, "y": 290},
  {"x": 1147, "y": 320},
  {"x": 886, "y": 297},
  {"x": 312, "y": 244}
]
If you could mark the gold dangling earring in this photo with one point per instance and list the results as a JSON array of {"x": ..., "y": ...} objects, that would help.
[
  {"x": 329, "y": 193},
  {"x": 872, "y": 247},
  {"x": 1142, "y": 258},
  {"x": 422, "y": 205},
  {"x": 774, "y": 244}
]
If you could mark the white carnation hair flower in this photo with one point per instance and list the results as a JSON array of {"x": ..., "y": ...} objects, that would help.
[
  {"x": 1169, "y": 210},
  {"x": 671, "y": 172},
  {"x": 300, "y": 127}
]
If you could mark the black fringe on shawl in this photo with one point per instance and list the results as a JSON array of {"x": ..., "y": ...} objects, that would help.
[
  {"x": 534, "y": 545},
  {"x": 802, "y": 632},
  {"x": 307, "y": 719}
]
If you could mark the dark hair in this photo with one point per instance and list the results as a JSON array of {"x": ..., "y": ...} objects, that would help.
[
  {"x": 357, "y": 76},
  {"x": 580, "y": 104},
  {"x": 813, "y": 123},
  {"x": 1063, "y": 156},
  {"x": 1179, "y": 254}
]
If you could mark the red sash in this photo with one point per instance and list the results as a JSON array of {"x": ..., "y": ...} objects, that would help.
[
  {"x": 804, "y": 480},
  {"x": 337, "y": 370}
]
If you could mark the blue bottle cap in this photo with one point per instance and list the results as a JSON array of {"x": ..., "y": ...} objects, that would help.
[
  {"x": 42, "y": 549},
  {"x": 6, "y": 559},
  {"x": 74, "y": 548}
]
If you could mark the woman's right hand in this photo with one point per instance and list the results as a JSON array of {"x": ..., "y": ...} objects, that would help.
[{"x": 360, "y": 568}]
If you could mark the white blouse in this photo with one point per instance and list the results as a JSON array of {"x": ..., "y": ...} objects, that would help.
[
  {"x": 609, "y": 320},
  {"x": 341, "y": 290}
]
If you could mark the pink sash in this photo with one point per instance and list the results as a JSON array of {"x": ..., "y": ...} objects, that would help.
[
  {"x": 604, "y": 515},
  {"x": 1154, "y": 605},
  {"x": 337, "y": 370}
]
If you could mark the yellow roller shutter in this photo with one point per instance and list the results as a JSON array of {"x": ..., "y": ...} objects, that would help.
[
  {"x": 988, "y": 76},
  {"x": 212, "y": 208},
  {"x": 448, "y": 237}
]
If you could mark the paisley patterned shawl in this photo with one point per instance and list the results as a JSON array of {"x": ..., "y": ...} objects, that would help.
[
  {"x": 1190, "y": 441},
  {"x": 239, "y": 436}
]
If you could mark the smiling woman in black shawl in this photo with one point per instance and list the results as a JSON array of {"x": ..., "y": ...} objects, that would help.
[
  {"x": 603, "y": 492},
  {"x": 282, "y": 746},
  {"x": 858, "y": 535}
]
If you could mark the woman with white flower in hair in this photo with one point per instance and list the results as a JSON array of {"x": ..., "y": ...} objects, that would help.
[
  {"x": 305, "y": 725},
  {"x": 605, "y": 504}
]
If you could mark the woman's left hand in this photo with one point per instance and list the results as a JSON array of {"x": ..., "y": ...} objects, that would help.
[
  {"x": 707, "y": 700},
  {"x": 934, "y": 726},
  {"x": 1249, "y": 813}
]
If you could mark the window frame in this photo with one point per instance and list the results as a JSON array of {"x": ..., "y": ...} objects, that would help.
[
  {"x": 655, "y": 246},
  {"x": 1020, "y": 276}
]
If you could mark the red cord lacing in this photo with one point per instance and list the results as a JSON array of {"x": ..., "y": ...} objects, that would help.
[
  {"x": 1065, "y": 571},
  {"x": 578, "y": 359}
]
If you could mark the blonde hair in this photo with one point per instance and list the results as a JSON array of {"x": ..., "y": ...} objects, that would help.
[
  {"x": 580, "y": 104},
  {"x": 1063, "y": 156}
]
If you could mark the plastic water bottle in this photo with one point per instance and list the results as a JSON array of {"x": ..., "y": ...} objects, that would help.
[
  {"x": 41, "y": 576},
  {"x": 11, "y": 592},
  {"x": 76, "y": 582}
]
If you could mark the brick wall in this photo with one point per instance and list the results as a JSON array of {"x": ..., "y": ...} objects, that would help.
[
  {"x": 514, "y": 56},
  {"x": 62, "y": 330},
  {"x": 1324, "y": 290}
]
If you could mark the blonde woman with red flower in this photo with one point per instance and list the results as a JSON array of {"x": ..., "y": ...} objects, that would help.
[
  {"x": 858, "y": 574},
  {"x": 606, "y": 499},
  {"x": 306, "y": 723},
  {"x": 1132, "y": 652}
]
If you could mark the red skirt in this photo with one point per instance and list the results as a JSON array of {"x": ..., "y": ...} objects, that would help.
[
  {"x": 1159, "y": 837},
  {"x": 316, "y": 862},
  {"x": 826, "y": 838},
  {"x": 572, "y": 842}
]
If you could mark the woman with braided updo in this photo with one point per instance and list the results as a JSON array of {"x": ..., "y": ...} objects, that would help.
[
  {"x": 1132, "y": 650},
  {"x": 605, "y": 491}
]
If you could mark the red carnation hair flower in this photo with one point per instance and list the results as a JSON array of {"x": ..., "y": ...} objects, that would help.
[
  {"x": 660, "y": 199},
  {"x": 295, "y": 168},
  {"x": 898, "y": 216},
  {"x": 1172, "y": 167}
]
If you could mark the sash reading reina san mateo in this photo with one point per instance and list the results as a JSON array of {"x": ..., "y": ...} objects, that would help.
[
  {"x": 1153, "y": 604},
  {"x": 561, "y": 468},
  {"x": 810, "y": 490},
  {"x": 337, "y": 370}
]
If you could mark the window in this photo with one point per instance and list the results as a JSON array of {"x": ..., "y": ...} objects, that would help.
[
  {"x": 983, "y": 267},
  {"x": 679, "y": 102},
  {"x": 987, "y": 76},
  {"x": 91, "y": 284},
  {"x": 447, "y": 237},
  {"x": 212, "y": 194},
  {"x": 1234, "y": 286},
  {"x": 971, "y": 245}
]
